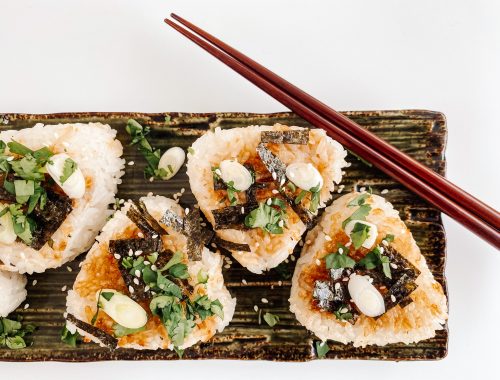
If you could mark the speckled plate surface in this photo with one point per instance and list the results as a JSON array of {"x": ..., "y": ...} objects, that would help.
[{"x": 421, "y": 134}]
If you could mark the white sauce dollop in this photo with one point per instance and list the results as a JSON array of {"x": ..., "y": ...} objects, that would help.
[
  {"x": 171, "y": 161},
  {"x": 123, "y": 310},
  {"x": 74, "y": 186},
  {"x": 366, "y": 297},
  {"x": 371, "y": 236},
  {"x": 233, "y": 171},
  {"x": 303, "y": 175},
  {"x": 7, "y": 234}
]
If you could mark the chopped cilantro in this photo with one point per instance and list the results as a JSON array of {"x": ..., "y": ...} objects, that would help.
[
  {"x": 374, "y": 259},
  {"x": 359, "y": 214},
  {"x": 322, "y": 348},
  {"x": 69, "y": 168},
  {"x": 70, "y": 338},
  {"x": 202, "y": 277},
  {"x": 267, "y": 218},
  {"x": 389, "y": 238},
  {"x": 12, "y": 333},
  {"x": 107, "y": 295},
  {"x": 359, "y": 200},
  {"x": 190, "y": 150},
  {"x": 343, "y": 315},
  {"x": 271, "y": 319},
  {"x": 339, "y": 259},
  {"x": 359, "y": 234}
]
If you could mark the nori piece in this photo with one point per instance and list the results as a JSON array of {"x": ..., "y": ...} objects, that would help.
[
  {"x": 232, "y": 217},
  {"x": 173, "y": 220},
  {"x": 101, "y": 335},
  {"x": 193, "y": 232},
  {"x": 401, "y": 289},
  {"x": 300, "y": 136},
  {"x": 138, "y": 214},
  {"x": 48, "y": 220},
  {"x": 219, "y": 184},
  {"x": 275, "y": 165},
  {"x": 403, "y": 265},
  {"x": 231, "y": 246},
  {"x": 122, "y": 248}
]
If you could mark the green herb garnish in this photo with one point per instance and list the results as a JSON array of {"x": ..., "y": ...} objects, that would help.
[
  {"x": 359, "y": 234},
  {"x": 70, "y": 338},
  {"x": 202, "y": 277},
  {"x": 12, "y": 333},
  {"x": 360, "y": 214},
  {"x": 389, "y": 238},
  {"x": 374, "y": 259},
  {"x": 322, "y": 348},
  {"x": 339, "y": 259},
  {"x": 69, "y": 168},
  {"x": 343, "y": 315},
  {"x": 267, "y": 218},
  {"x": 271, "y": 319},
  {"x": 152, "y": 156}
]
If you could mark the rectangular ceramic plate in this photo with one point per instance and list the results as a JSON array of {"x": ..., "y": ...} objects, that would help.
[{"x": 421, "y": 134}]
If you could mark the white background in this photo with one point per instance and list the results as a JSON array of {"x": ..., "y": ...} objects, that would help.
[{"x": 111, "y": 55}]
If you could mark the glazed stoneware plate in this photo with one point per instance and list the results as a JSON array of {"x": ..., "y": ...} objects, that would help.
[{"x": 421, "y": 134}]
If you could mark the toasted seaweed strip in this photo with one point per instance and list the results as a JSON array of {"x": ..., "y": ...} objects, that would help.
[
  {"x": 300, "y": 136},
  {"x": 173, "y": 220},
  {"x": 401, "y": 289},
  {"x": 232, "y": 217},
  {"x": 48, "y": 220},
  {"x": 275, "y": 166},
  {"x": 101, "y": 335},
  {"x": 138, "y": 214},
  {"x": 278, "y": 170},
  {"x": 405, "y": 302},
  {"x": 231, "y": 246},
  {"x": 401, "y": 263},
  {"x": 193, "y": 232},
  {"x": 121, "y": 249},
  {"x": 219, "y": 184}
]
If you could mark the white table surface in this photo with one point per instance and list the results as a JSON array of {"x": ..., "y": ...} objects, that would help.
[{"x": 117, "y": 55}]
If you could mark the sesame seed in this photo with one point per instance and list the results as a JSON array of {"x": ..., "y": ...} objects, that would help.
[
  {"x": 394, "y": 266},
  {"x": 131, "y": 289},
  {"x": 183, "y": 190},
  {"x": 154, "y": 236},
  {"x": 264, "y": 300},
  {"x": 150, "y": 194},
  {"x": 151, "y": 179},
  {"x": 274, "y": 191},
  {"x": 274, "y": 175},
  {"x": 242, "y": 210},
  {"x": 213, "y": 245},
  {"x": 218, "y": 172},
  {"x": 318, "y": 262},
  {"x": 348, "y": 164},
  {"x": 227, "y": 266},
  {"x": 186, "y": 211},
  {"x": 345, "y": 279},
  {"x": 328, "y": 238},
  {"x": 381, "y": 249},
  {"x": 34, "y": 282},
  {"x": 337, "y": 285},
  {"x": 344, "y": 310},
  {"x": 137, "y": 273},
  {"x": 130, "y": 163},
  {"x": 117, "y": 256},
  {"x": 282, "y": 182},
  {"x": 140, "y": 234},
  {"x": 243, "y": 281},
  {"x": 256, "y": 308},
  {"x": 154, "y": 268},
  {"x": 286, "y": 261},
  {"x": 146, "y": 262},
  {"x": 385, "y": 191},
  {"x": 257, "y": 245},
  {"x": 280, "y": 283},
  {"x": 341, "y": 251},
  {"x": 370, "y": 280},
  {"x": 69, "y": 269},
  {"x": 393, "y": 299},
  {"x": 130, "y": 252},
  {"x": 292, "y": 258},
  {"x": 308, "y": 242},
  {"x": 269, "y": 201},
  {"x": 136, "y": 281},
  {"x": 384, "y": 242},
  {"x": 301, "y": 243},
  {"x": 138, "y": 253},
  {"x": 281, "y": 223},
  {"x": 146, "y": 288},
  {"x": 348, "y": 244},
  {"x": 63, "y": 289},
  {"x": 26, "y": 306}
]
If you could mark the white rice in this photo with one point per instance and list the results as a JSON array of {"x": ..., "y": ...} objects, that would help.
[
  {"x": 12, "y": 289},
  {"x": 211, "y": 263},
  {"x": 267, "y": 250},
  {"x": 97, "y": 152},
  {"x": 417, "y": 321}
]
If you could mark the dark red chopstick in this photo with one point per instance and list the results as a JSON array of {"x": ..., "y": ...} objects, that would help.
[
  {"x": 416, "y": 184},
  {"x": 474, "y": 205}
]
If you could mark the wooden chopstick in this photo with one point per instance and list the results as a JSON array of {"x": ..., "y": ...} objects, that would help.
[
  {"x": 433, "y": 195},
  {"x": 475, "y": 206}
]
